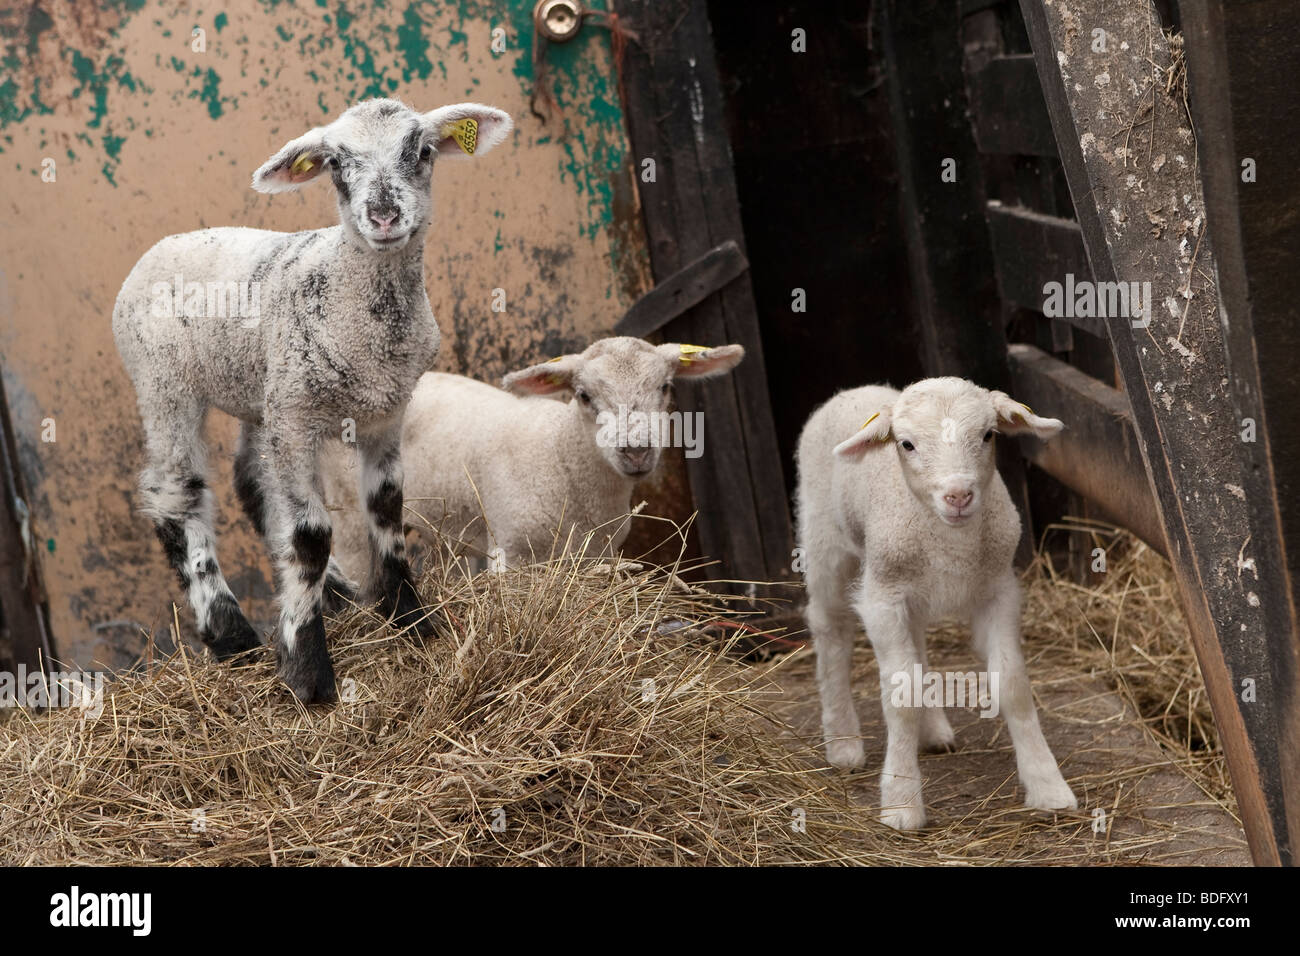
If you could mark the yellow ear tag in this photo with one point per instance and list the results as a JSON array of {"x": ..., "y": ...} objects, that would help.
[
  {"x": 303, "y": 164},
  {"x": 465, "y": 133},
  {"x": 689, "y": 352},
  {"x": 556, "y": 359},
  {"x": 555, "y": 379},
  {"x": 869, "y": 421}
]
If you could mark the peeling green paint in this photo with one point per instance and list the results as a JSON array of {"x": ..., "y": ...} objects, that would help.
[
  {"x": 413, "y": 45},
  {"x": 357, "y": 49},
  {"x": 210, "y": 92}
]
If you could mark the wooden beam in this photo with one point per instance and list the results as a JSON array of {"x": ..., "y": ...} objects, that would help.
[
  {"x": 685, "y": 288},
  {"x": 1097, "y": 455},
  {"x": 1241, "y": 63},
  {"x": 23, "y": 610},
  {"x": 1120, "y": 140},
  {"x": 675, "y": 113},
  {"x": 1007, "y": 108},
  {"x": 950, "y": 263},
  {"x": 1032, "y": 249}
]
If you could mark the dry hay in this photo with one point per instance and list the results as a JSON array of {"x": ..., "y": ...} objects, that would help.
[
  {"x": 534, "y": 735},
  {"x": 536, "y": 716},
  {"x": 1123, "y": 708},
  {"x": 1126, "y": 625}
]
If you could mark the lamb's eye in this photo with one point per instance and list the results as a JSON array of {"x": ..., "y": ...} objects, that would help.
[
  {"x": 584, "y": 397},
  {"x": 908, "y": 446},
  {"x": 663, "y": 389},
  {"x": 426, "y": 153},
  {"x": 988, "y": 435}
]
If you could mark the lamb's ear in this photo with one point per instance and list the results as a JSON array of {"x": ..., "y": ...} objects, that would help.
[
  {"x": 545, "y": 378},
  {"x": 297, "y": 163},
  {"x": 698, "y": 361},
  {"x": 466, "y": 129},
  {"x": 1017, "y": 419},
  {"x": 874, "y": 433}
]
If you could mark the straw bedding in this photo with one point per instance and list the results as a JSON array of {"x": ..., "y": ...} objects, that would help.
[{"x": 574, "y": 715}]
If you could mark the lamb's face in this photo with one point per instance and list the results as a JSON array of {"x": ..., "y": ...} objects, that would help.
[
  {"x": 942, "y": 430},
  {"x": 622, "y": 388},
  {"x": 380, "y": 155},
  {"x": 943, "y": 436}
]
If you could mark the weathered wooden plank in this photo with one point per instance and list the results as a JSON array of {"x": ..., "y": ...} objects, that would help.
[
  {"x": 1007, "y": 108},
  {"x": 1242, "y": 61},
  {"x": 1097, "y": 455},
  {"x": 674, "y": 108},
  {"x": 22, "y": 603},
  {"x": 1032, "y": 249},
  {"x": 950, "y": 263},
  {"x": 1125, "y": 146},
  {"x": 687, "y": 287}
]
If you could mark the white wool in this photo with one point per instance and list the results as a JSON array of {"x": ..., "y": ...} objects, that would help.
[
  {"x": 896, "y": 538},
  {"x": 524, "y": 473}
]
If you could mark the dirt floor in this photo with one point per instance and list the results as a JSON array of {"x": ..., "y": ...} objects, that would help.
[{"x": 1156, "y": 813}]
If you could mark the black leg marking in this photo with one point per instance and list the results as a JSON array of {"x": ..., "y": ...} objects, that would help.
[
  {"x": 311, "y": 549},
  {"x": 248, "y": 487},
  {"x": 399, "y": 599},
  {"x": 228, "y": 633},
  {"x": 385, "y": 504},
  {"x": 171, "y": 530},
  {"x": 308, "y": 670},
  {"x": 171, "y": 533},
  {"x": 339, "y": 594},
  {"x": 397, "y": 595}
]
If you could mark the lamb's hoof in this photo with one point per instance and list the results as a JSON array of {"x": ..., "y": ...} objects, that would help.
[
  {"x": 936, "y": 733},
  {"x": 1050, "y": 795},
  {"x": 307, "y": 669},
  {"x": 911, "y": 817},
  {"x": 340, "y": 594},
  {"x": 228, "y": 633},
  {"x": 846, "y": 753},
  {"x": 419, "y": 621},
  {"x": 410, "y": 615}
]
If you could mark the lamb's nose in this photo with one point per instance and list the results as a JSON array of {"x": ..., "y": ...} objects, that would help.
[
  {"x": 638, "y": 458},
  {"x": 383, "y": 217},
  {"x": 959, "y": 499}
]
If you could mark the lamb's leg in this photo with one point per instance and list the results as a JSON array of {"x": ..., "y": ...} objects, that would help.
[
  {"x": 936, "y": 732},
  {"x": 833, "y": 627},
  {"x": 891, "y": 629},
  {"x": 177, "y": 498},
  {"x": 996, "y": 630},
  {"x": 251, "y": 482},
  {"x": 381, "y": 491},
  {"x": 300, "y": 536}
]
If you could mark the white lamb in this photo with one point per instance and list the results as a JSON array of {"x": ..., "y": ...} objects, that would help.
[
  {"x": 340, "y": 335},
  {"x": 521, "y": 476},
  {"x": 905, "y": 520}
]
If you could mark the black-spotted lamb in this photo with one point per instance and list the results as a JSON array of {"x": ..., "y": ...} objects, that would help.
[
  {"x": 902, "y": 521},
  {"x": 522, "y": 476},
  {"x": 340, "y": 333}
]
